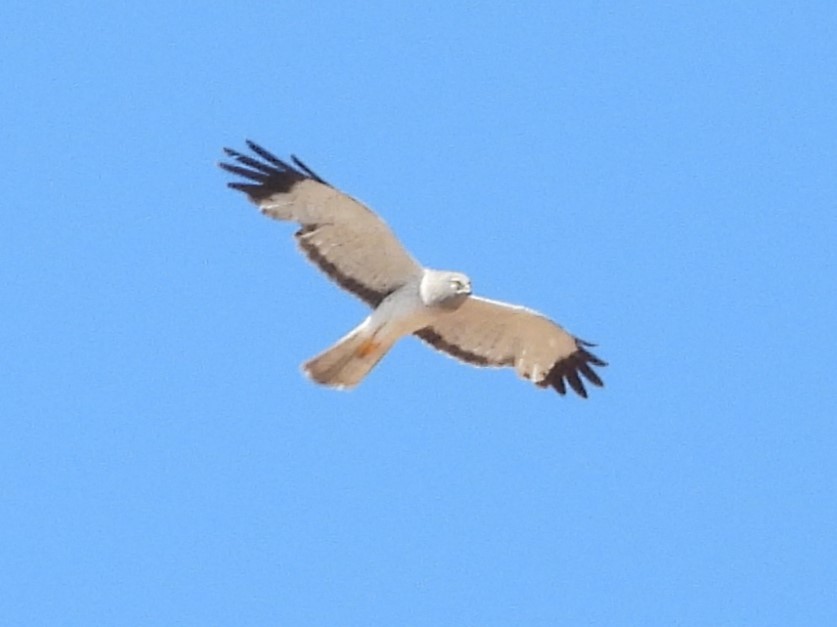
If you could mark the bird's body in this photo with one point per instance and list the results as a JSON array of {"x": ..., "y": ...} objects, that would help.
[{"x": 355, "y": 248}]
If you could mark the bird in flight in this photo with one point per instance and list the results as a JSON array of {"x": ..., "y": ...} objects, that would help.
[{"x": 358, "y": 251}]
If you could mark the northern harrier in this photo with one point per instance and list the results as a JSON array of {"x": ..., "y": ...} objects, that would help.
[{"x": 358, "y": 251}]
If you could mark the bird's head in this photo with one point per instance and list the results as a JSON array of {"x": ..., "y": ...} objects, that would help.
[
  {"x": 459, "y": 283},
  {"x": 444, "y": 289}
]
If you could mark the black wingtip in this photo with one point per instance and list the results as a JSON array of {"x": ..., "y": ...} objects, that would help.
[
  {"x": 266, "y": 154},
  {"x": 567, "y": 371},
  {"x": 271, "y": 174},
  {"x": 298, "y": 163}
]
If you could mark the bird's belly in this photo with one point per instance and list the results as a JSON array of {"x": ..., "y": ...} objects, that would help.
[{"x": 402, "y": 314}]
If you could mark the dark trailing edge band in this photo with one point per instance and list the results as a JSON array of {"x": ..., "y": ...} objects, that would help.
[
  {"x": 372, "y": 297},
  {"x": 436, "y": 341}
]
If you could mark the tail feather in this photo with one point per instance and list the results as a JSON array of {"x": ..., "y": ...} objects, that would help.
[{"x": 346, "y": 363}]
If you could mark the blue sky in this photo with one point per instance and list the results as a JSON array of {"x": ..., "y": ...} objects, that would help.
[{"x": 660, "y": 179}]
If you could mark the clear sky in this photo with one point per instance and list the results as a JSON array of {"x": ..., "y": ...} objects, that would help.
[{"x": 661, "y": 180}]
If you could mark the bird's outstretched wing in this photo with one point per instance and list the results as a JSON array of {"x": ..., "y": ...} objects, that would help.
[
  {"x": 489, "y": 333},
  {"x": 344, "y": 238}
]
